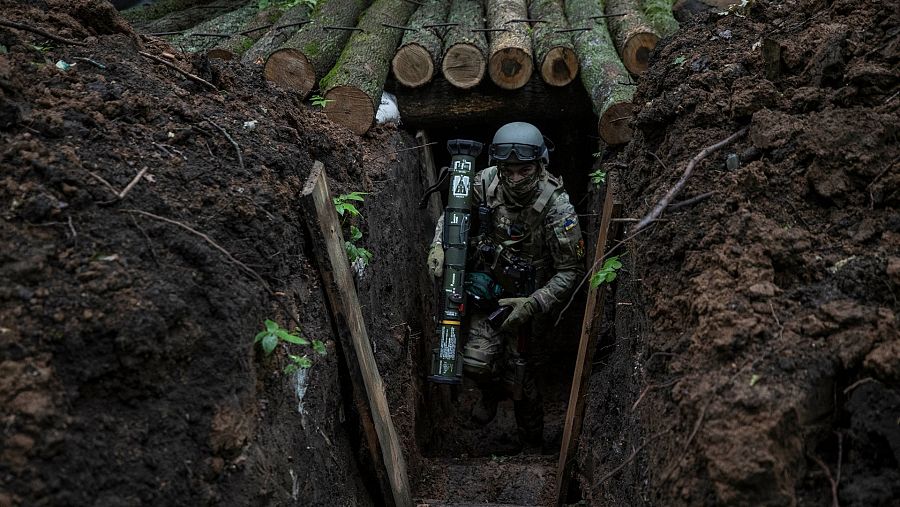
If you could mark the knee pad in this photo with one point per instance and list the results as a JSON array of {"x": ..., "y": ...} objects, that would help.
[{"x": 480, "y": 358}]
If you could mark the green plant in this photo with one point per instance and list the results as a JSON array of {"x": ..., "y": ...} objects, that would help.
[
  {"x": 320, "y": 101},
  {"x": 273, "y": 333},
  {"x": 355, "y": 252},
  {"x": 598, "y": 177},
  {"x": 607, "y": 273},
  {"x": 679, "y": 61},
  {"x": 41, "y": 48},
  {"x": 343, "y": 204},
  {"x": 296, "y": 363}
]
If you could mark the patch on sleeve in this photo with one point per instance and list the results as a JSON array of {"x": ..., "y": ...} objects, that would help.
[
  {"x": 579, "y": 249},
  {"x": 569, "y": 223}
]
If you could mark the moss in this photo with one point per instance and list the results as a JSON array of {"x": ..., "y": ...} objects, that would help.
[
  {"x": 246, "y": 43},
  {"x": 311, "y": 48}
]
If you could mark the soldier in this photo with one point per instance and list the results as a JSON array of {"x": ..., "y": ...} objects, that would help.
[{"x": 531, "y": 253}]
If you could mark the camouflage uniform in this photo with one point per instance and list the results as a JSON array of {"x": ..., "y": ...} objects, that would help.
[{"x": 547, "y": 237}]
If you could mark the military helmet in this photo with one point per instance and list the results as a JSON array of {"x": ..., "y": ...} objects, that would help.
[{"x": 520, "y": 140}]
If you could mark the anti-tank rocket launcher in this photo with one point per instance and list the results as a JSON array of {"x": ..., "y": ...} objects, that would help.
[{"x": 446, "y": 363}]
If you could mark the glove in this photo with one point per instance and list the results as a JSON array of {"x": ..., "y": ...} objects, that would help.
[
  {"x": 523, "y": 309},
  {"x": 436, "y": 260}
]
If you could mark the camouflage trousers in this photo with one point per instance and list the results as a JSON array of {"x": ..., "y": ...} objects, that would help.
[{"x": 501, "y": 365}]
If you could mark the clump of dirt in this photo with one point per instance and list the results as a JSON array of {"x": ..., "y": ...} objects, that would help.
[
  {"x": 129, "y": 374},
  {"x": 763, "y": 319}
]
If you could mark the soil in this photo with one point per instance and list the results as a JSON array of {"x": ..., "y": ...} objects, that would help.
[
  {"x": 750, "y": 350},
  {"x": 755, "y": 353}
]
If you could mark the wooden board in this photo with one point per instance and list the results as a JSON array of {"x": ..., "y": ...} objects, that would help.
[
  {"x": 581, "y": 378},
  {"x": 338, "y": 282}
]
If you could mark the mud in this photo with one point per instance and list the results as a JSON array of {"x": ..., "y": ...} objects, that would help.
[
  {"x": 129, "y": 374},
  {"x": 750, "y": 349},
  {"x": 763, "y": 319}
]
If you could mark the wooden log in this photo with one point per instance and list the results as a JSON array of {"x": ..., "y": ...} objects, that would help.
[
  {"x": 247, "y": 35},
  {"x": 303, "y": 60},
  {"x": 553, "y": 50},
  {"x": 465, "y": 48},
  {"x": 420, "y": 51},
  {"x": 658, "y": 14},
  {"x": 602, "y": 73},
  {"x": 184, "y": 19},
  {"x": 439, "y": 104},
  {"x": 199, "y": 39},
  {"x": 633, "y": 36},
  {"x": 590, "y": 324},
  {"x": 288, "y": 24},
  {"x": 354, "y": 86},
  {"x": 510, "y": 62},
  {"x": 325, "y": 230}
]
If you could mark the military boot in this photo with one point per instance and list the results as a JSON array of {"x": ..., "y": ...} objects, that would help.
[{"x": 485, "y": 409}]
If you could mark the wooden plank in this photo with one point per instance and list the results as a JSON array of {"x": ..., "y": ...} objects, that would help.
[
  {"x": 345, "y": 306},
  {"x": 591, "y": 322},
  {"x": 430, "y": 174}
]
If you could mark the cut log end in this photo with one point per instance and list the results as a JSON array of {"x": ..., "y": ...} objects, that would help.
[
  {"x": 412, "y": 65},
  {"x": 463, "y": 65},
  {"x": 614, "y": 126},
  {"x": 636, "y": 53},
  {"x": 510, "y": 68},
  {"x": 351, "y": 107},
  {"x": 220, "y": 54},
  {"x": 290, "y": 69},
  {"x": 560, "y": 66}
]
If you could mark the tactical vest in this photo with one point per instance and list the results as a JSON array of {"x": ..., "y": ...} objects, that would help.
[{"x": 519, "y": 234}]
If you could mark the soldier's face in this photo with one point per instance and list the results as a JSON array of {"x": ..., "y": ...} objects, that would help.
[{"x": 515, "y": 172}]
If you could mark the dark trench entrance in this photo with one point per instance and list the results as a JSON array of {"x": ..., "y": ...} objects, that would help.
[{"x": 461, "y": 460}]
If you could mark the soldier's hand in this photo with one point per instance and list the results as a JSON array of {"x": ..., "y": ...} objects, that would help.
[
  {"x": 523, "y": 309},
  {"x": 436, "y": 260}
]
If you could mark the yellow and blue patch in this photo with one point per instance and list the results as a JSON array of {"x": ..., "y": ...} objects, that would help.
[{"x": 569, "y": 223}]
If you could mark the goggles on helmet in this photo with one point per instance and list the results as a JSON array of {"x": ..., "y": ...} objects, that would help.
[{"x": 523, "y": 152}]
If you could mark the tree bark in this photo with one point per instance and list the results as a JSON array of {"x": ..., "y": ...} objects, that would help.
[
  {"x": 273, "y": 38},
  {"x": 658, "y": 14},
  {"x": 553, "y": 50},
  {"x": 420, "y": 51},
  {"x": 633, "y": 36},
  {"x": 354, "y": 86},
  {"x": 465, "y": 50},
  {"x": 237, "y": 45},
  {"x": 510, "y": 62},
  {"x": 439, "y": 104},
  {"x": 184, "y": 19},
  {"x": 604, "y": 76},
  {"x": 303, "y": 60},
  {"x": 228, "y": 23}
]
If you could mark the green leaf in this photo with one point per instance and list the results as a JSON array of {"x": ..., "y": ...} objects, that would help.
[
  {"x": 754, "y": 379},
  {"x": 355, "y": 233},
  {"x": 304, "y": 362},
  {"x": 288, "y": 337},
  {"x": 679, "y": 61},
  {"x": 319, "y": 347},
  {"x": 354, "y": 196},
  {"x": 291, "y": 369},
  {"x": 596, "y": 279},
  {"x": 598, "y": 177},
  {"x": 259, "y": 336},
  {"x": 269, "y": 343},
  {"x": 271, "y": 326}
]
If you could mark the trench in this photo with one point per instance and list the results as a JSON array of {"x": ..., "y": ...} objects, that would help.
[{"x": 450, "y": 459}]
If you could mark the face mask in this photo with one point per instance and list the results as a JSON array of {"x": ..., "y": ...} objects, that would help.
[{"x": 521, "y": 191}]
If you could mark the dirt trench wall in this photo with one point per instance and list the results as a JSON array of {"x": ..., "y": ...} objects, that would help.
[
  {"x": 128, "y": 372},
  {"x": 772, "y": 304}
]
